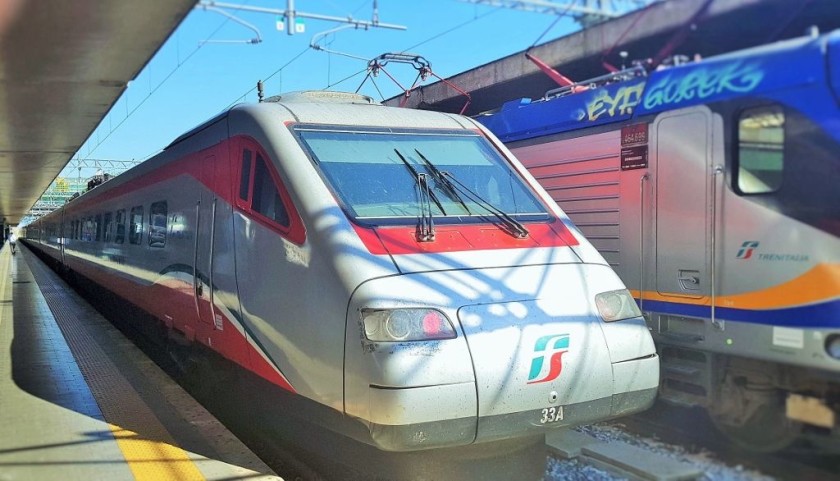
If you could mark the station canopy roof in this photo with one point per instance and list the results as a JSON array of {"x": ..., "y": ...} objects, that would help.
[{"x": 63, "y": 65}]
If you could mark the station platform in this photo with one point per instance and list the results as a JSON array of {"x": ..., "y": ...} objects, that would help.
[{"x": 79, "y": 401}]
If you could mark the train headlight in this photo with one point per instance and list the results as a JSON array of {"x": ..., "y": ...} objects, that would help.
[
  {"x": 390, "y": 325},
  {"x": 616, "y": 305},
  {"x": 832, "y": 346}
]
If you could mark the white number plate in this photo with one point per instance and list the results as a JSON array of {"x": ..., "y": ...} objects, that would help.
[{"x": 551, "y": 415}]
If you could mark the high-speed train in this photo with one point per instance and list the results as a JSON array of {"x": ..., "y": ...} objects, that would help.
[
  {"x": 712, "y": 188},
  {"x": 397, "y": 267}
]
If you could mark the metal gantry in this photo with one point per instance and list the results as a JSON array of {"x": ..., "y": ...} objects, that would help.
[
  {"x": 72, "y": 180},
  {"x": 289, "y": 16},
  {"x": 585, "y": 12}
]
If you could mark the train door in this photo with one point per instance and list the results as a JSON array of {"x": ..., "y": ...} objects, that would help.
[
  {"x": 62, "y": 240},
  {"x": 682, "y": 209},
  {"x": 204, "y": 243}
]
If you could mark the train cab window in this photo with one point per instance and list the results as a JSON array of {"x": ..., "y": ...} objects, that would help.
[
  {"x": 761, "y": 142},
  {"x": 135, "y": 233},
  {"x": 108, "y": 227},
  {"x": 119, "y": 235},
  {"x": 266, "y": 198},
  {"x": 157, "y": 224},
  {"x": 245, "y": 178}
]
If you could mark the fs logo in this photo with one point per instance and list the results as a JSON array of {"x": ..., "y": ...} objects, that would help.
[
  {"x": 746, "y": 250},
  {"x": 549, "y": 348}
]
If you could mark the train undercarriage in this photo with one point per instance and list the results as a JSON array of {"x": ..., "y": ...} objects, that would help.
[{"x": 760, "y": 406}]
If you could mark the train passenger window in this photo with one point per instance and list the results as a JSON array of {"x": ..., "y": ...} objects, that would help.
[
  {"x": 157, "y": 224},
  {"x": 266, "y": 198},
  {"x": 135, "y": 233},
  {"x": 87, "y": 230},
  {"x": 245, "y": 178},
  {"x": 761, "y": 142},
  {"x": 119, "y": 235},
  {"x": 98, "y": 227},
  {"x": 108, "y": 226}
]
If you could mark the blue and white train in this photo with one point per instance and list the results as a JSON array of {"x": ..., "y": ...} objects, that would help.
[{"x": 712, "y": 188}]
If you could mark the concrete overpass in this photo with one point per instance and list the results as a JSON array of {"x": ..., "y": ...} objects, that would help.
[
  {"x": 727, "y": 25},
  {"x": 63, "y": 65}
]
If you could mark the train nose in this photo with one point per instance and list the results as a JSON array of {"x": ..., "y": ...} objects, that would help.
[
  {"x": 528, "y": 351},
  {"x": 528, "y": 359},
  {"x": 553, "y": 361}
]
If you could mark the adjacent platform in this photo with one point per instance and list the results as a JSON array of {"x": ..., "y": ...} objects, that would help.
[{"x": 80, "y": 401}]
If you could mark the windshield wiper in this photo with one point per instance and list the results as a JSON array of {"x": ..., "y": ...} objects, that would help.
[
  {"x": 441, "y": 179},
  {"x": 426, "y": 227},
  {"x": 446, "y": 178},
  {"x": 514, "y": 226}
]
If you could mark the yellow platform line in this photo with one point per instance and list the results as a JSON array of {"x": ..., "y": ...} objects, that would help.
[
  {"x": 152, "y": 455},
  {"x": 151, "y": 460}
]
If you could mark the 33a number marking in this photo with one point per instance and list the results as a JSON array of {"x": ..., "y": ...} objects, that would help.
[{"x": 552, "y": 415}]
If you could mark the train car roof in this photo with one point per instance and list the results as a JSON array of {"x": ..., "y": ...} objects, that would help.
[
  {"x": 347, "y": 109},
  {"x": 315, "y": 107},
  {"x": 747, "y": 72}
]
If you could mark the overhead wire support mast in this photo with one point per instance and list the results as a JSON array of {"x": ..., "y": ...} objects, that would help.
[
  {"x": 255, "y": 40},
  {"x": 290, "y": 14},
  {"x": 313, "y": 44}
]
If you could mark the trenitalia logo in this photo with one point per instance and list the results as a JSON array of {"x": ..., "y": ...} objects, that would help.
[
  {"x": 550, "y": 347},
  {"x": 746, "y": 250}
]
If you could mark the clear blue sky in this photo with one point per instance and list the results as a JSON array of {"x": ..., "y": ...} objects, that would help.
[{"x": 166, "y": 99}]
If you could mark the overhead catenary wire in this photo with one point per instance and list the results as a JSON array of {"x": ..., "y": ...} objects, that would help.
[
  {"x": 287, "y": 64},
  {"x": 423, "y": 42},
  {"x": 152, "y": 91},
  {"x": 345, "y": 78},
  {"x": 280, "y": 69},
  {"x": 451, "y": 29},
  {"x": 560, "y": 16}
]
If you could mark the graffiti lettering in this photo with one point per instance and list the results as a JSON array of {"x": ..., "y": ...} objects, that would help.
[
  {"x": 622, "y": 102},
  {"x": 703, "y": 83}
]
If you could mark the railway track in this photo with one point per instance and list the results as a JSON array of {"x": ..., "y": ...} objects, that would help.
[
  {"x": 692, "y": 430},
  {"x": 685, "y": 429}
]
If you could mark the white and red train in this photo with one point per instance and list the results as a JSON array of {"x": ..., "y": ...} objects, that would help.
[{"x": 397, "y": 268}]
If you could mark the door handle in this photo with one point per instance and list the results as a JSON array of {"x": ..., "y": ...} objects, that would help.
[{"x": 689, "y": 279}]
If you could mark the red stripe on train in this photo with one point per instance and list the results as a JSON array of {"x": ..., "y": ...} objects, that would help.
[
  {"x": 222, "y": 178},
  {"x": 172, "y": 302},
  {"x": 403, "y": 240}
]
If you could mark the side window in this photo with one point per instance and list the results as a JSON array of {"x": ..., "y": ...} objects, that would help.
[
  {"x": 157, "y": 224},
  {"x": 266, "y": 199},
  {"x": 119, "y": 235},
  {"x": 761, "y": 142},
  {"x": 98, "y": 227},
  {"x": 108, "y": 226},
  {"x": 245, "y": 178},
  {"x": 87, "y": 230},
  {"x": 135, "y": 233}
]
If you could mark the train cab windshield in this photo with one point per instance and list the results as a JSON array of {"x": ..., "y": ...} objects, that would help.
[{"x": 393, "y": 177}]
